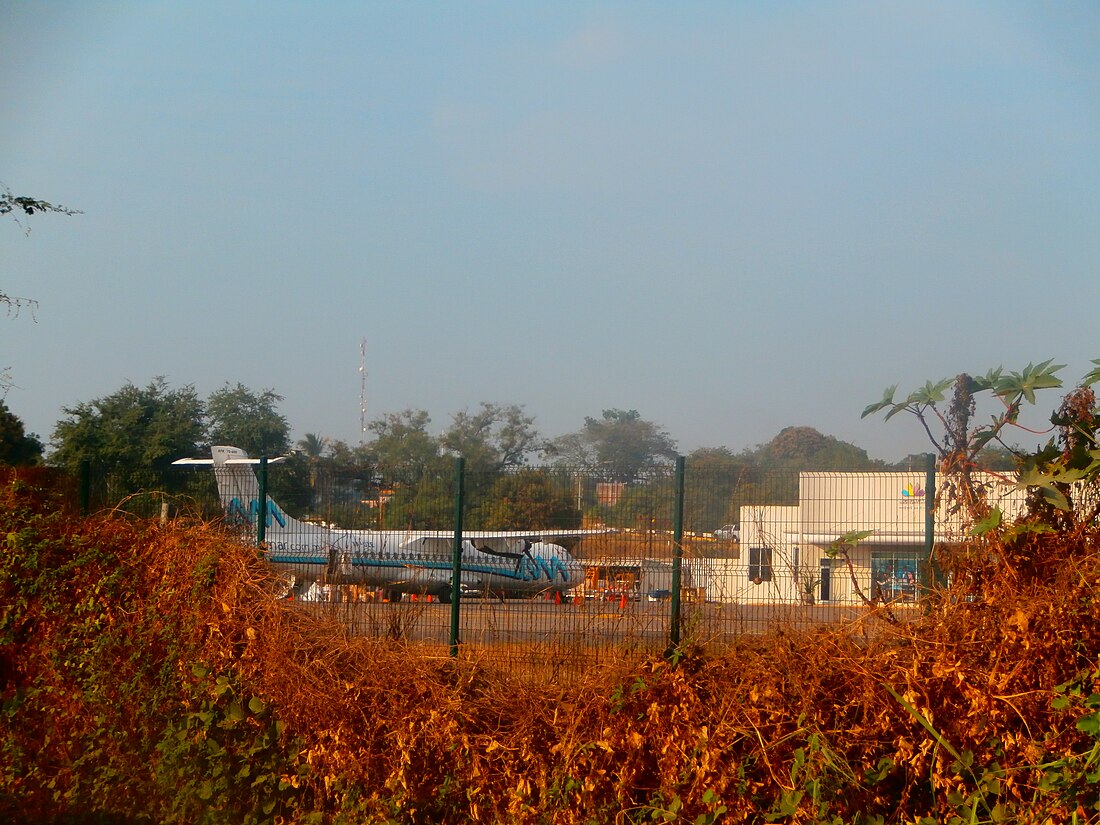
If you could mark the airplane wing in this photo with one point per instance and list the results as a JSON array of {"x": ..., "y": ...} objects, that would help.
[
  {"x": 537, "y": 535},
  {"x": 208, "y": 461},
  {"x": 510, "y": 543}
]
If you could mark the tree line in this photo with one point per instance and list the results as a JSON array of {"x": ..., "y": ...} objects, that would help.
[{"x": 617, "y": 463}]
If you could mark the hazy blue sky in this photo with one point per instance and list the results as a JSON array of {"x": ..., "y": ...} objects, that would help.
[{"x": 732, "y": 217}]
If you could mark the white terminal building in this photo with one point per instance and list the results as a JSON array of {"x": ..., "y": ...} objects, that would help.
[{"x": 784, "y": 550}]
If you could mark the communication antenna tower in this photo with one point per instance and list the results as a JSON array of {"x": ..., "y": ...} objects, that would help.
[{"x": 362, "y": 390}]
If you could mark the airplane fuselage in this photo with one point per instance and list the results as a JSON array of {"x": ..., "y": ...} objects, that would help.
[
  {"x": 516, "y": 563},
  {"x": 409, "y": 561}
]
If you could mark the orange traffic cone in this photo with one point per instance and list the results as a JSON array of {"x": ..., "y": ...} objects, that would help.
[
  {"x": 622, "y": 602},
  {"x": 557, "y": 597}
]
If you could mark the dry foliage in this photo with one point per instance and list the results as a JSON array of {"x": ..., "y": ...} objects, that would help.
[{"x": 948, "y": 714}]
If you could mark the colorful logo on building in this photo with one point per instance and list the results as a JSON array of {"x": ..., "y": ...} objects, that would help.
[{"x": 909, "y": 491}]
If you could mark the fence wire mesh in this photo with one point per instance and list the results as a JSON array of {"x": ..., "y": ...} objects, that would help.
[{"x": 563, "y": 570}]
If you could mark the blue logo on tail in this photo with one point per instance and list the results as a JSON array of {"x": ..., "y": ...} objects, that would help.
[{"x": 237, "y": 513}]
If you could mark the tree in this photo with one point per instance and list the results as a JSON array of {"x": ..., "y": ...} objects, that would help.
[
  {"x": 492, "y": 440},
  {"x": 22, "y": 206},
  {"x": 528, "y": 499},
  {"x": 313, "y": 446},
  {"x": 242, "y": 418},
  {"x": 402, "y": 445},
  {"x": 17, "y": 448},
  {"x": 959, "y": 442},
  {"x": 133, "y": 435},
  {"x": 621, "y": 444},
  {"x": 712, "y": 475},
  {"x": 342, "y": 456},
  {"x": 1062, "y": 477},
  {"x": 804, "y": 448},
  {"x": 409, "y": 464}
]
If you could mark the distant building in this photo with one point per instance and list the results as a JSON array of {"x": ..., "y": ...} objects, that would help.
[
  {"x": 608, "y": 493},
  {"x": 783, "y": 550},
  {"x": 635, "y": 578}
]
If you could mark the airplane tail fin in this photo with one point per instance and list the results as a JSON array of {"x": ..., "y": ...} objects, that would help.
[
  {"x": 239, "y": 489},
  {"x": 238, "y": 486}
]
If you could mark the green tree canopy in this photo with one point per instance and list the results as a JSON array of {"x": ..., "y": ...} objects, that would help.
[
  {"x": 494, "y": 438},
  {"x": 17, "y": 448},
  {"x": 620, "y": 444},
  {"x": 242, "y": 418},
  {"x": 528, "y": 499},
  {"x": 313, "y": 446},
  {"x": 410, "y": 466},
  {"x": 342, "y": 454},
  {"x": 713, "y": 476},
  {"x": 403, "y": 447},
  {"x": 135, "y": 428},
  {"x": 804, "y": 448}
]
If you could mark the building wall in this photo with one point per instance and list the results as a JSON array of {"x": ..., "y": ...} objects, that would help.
[{"x": 888, "y": 563}]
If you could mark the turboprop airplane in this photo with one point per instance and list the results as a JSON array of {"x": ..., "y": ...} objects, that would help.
[{"x": 504, "y": 563}]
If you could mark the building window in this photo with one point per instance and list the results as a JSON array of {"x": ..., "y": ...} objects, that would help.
[
  {"x": 760, "y": 564},
  {"x": 894, "y": 576}
]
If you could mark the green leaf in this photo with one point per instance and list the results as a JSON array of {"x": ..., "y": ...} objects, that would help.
[
  {"x": 849, "y": 539},
  {"x": 989, "y": 523},
  {"x": 1024, "y": 384},
  {"x": 896, "y": 409},
  {"x": 1027, "y": 528},
  {"x": 1093, "y": 375},
  {"x": 1090, "y": 724},
  {"x": 1054, "y": 497},
  {"x": 930, "y": 394},
  {"x": 1033, "y": 477},
  {"x": 986, "y": 382},
  {"x": 887, "y": 401}
]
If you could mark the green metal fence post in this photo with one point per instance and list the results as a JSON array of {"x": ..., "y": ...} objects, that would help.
[
  {"x": 261, "y": 505},
  {"x": 456, "y": 552},
  {"x": 930, "y": 573},
  {"x": 677, "y": 556}
]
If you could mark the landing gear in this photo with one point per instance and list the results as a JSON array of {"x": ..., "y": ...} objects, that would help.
[{"x": 299, "y": 589}]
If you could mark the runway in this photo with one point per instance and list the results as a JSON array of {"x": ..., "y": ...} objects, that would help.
[{"x": 539, "y": 624}]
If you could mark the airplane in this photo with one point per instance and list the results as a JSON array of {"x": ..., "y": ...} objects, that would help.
[{"x": 506, "y": 563}]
